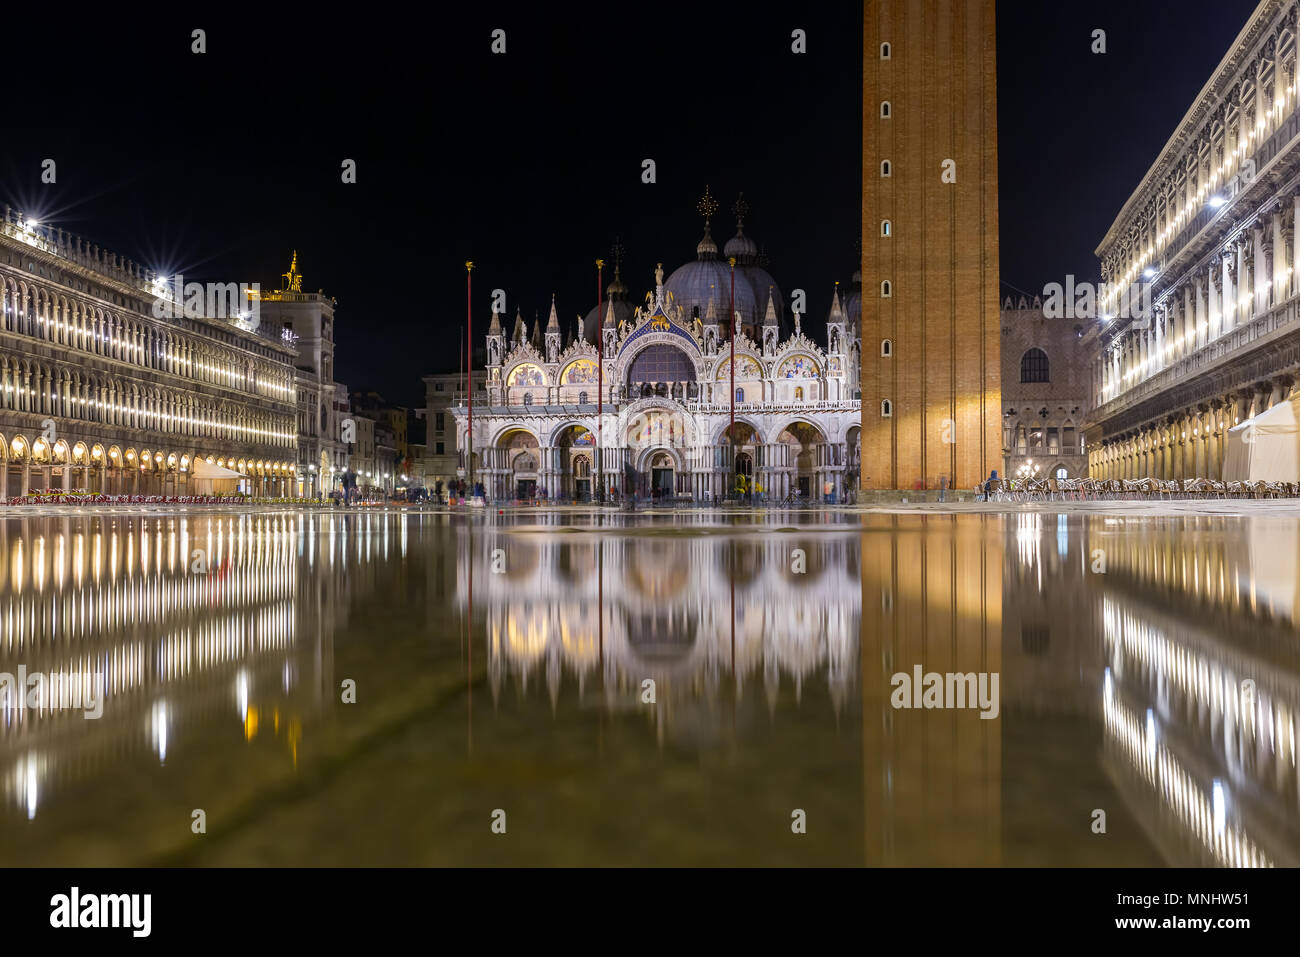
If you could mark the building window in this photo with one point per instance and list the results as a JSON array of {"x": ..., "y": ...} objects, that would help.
[
  {"x": 439, "y": 422},
  {"x": 884, "y": 51},
  {"x": 582, "y": 398},
  {"x": 884, "y": 109},
  {"x": 439, "y": 448},
  {"x": 885, "y": 228},
  {"x": 1069, "y": 440},
  {"x": 528, "y": 398},
  {"x": 740, "y": 395},
  {"x": 1034, "y": 367},
  {"x": 886, "y": 348},
  {"x": 886, "y": 408},
  {"x": 798, "y": 393},
  {"x": 438, "y": 386},
  {"x": 885, "y": 169},
  {"x": 886, "y": 289},
  {"x": 1054, "y": 441},
  {"x": 1062, "y": 473}
]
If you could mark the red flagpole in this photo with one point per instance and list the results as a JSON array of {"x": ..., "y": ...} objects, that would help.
[
  {"x": 732, "y": 325},
  {"x": 469, "y": 377},
  {"x": 600, "y": 379}
]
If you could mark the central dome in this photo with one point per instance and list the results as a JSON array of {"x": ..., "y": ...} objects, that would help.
[{"x": 695, "y": 284}]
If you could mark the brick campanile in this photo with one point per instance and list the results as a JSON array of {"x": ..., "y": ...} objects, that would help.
[{"x": 930, "y": 333}]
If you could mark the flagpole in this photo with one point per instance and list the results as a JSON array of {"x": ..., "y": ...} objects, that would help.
[
  {"x": 600, "y": 380},
  {"x": 469, "y": 377}
]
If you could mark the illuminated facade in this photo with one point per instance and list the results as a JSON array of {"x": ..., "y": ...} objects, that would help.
[
  {"x": 1209, "y": 238},
  {"x": 930, "y": 369},
  {"x": 1044, "y": 393},
  {"x": 306, "y": 320},
  {"x": 96, "y": 393},
  {"x": 667, "y": 394}
]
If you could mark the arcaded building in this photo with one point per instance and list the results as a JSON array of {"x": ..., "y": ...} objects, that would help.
[
  {"x": 1209, "y": 236},
  {"x": 930, "y": 368},
  {"x": 98, "y": 393}
]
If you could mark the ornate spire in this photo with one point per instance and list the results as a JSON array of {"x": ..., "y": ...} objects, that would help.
[
  {"x": 553, "y": 323},
  {"x": 740, "y": 208},
  {"x": 610, "y": 319},
  {"x": 770, "y": 318},
  {"x": 711, "y": 313},
  {"x": 494, "y": 327},
  {"x": 292, "y": 278},
  {"x": 617, "y": 288},
  {"x": 520, "y": 333},
  {"x": 707, "y": 207},
  {"x": 837, "y": 313}
]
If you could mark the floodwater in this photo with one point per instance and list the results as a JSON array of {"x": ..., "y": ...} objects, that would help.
[{"x": 404, "y": 688}]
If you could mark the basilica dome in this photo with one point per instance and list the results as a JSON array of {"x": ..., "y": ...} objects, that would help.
[{"x": 853, "y": 302}]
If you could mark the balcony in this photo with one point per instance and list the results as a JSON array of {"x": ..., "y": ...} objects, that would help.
[{"x": 1272, "y": 325}]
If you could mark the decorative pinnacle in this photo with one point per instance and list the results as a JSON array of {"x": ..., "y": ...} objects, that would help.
[
  {"x": 740, "y": 208},
  {"x": 707, "y": 206},
  {"x": 600, "y": 264},
  {"x": 468, "y": 265},
  {"x": 732, "y": 260}
]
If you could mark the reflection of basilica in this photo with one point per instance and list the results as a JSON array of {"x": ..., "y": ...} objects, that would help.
[
  {"x": 668, "y": 382},
  {"x": 616, "y": 610}
]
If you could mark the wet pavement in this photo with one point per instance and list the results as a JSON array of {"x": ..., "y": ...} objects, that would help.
[{"x": 695, "y": 688}]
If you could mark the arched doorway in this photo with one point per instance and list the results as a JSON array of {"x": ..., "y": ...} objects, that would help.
[
  {"x": 738, "y": 446},
  {"x": 574, "y": 448},
  {"x": 517, "y": 467},
  {"x": 806, "y": 445},
  {"x": 663, "y": 476}
]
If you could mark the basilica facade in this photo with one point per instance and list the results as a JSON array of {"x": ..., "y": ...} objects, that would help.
[{"x": 641, "y": 398}]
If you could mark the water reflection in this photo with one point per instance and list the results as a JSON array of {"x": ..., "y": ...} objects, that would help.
[
  {"x": 682, "y": 612},
  {"x": 1149, "y": 669}
]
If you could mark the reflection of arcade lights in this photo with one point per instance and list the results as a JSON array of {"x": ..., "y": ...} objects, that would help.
[{"x": 1028, "y": 470}]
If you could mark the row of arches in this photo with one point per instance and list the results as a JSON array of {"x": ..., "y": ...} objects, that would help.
[
  {"x": 658, "y": 456},
  {"x": 30, "y": 462},
  {"x": 31, "y": 309}
]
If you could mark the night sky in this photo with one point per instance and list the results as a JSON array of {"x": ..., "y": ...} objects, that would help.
[{"x": 218, "y": 166}]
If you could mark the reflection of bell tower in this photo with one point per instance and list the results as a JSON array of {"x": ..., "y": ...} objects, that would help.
[{"x": 931, "y": 596}]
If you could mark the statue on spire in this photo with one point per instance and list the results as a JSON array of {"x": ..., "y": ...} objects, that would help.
[{"x": 292, "y": 278}]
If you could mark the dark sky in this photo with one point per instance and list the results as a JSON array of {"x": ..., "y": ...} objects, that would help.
[
  {"x": 219, "y": 165},
  {"x": 1077, "y": 131}
]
